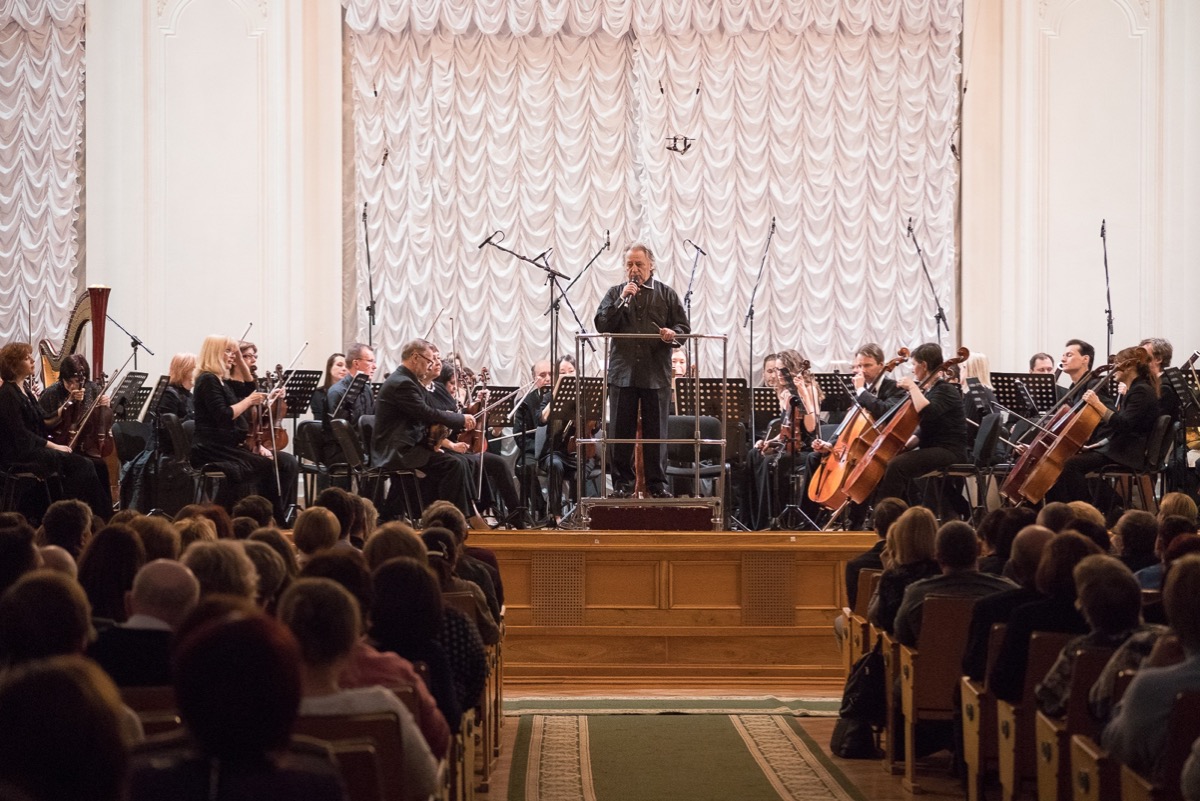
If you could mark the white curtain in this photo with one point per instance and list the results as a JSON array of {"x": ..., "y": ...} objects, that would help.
[
  {"x": 41, "y": 119},
  {"x": 550, "y": 121}
]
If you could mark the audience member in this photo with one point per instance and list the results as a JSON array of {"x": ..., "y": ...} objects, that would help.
[
  {"x": 272, "y": 573},
  {"x": 1136, "y": 733},
  {"x": 1177, "y": 503},
  {"x": 316, "y": 529},
  {"x": 107, "y": 566},
  {"x": 195, "y": 529},
  {"x": 18, "y": 554},
  {"x": 957, "y": 554},
  {"x": 55, "y": 558},
  {"x": 1169, "y": 527},
  {"x": 391, "y": 540},
  {"x": 279, "y": 543},
  {"x": 159, "y": 537},
  {"x": 324, "y": 619},
  {"x": 1010, "y": 524},
  {"x": 222, "y": 567},
  {"x": 344, "y": 507},
  {"x": 1092, "y": 531},
  {"x": 1056, "y": 516},
  {"x": 443, "y": 554},
  {"x": 258, "y": 508},
  {"x": 1085, "y": 511},
  {"x": 908, "y": 556},
  {"x": 137, "y": 653},
  {"x": 1134, "y": 537},
  {"x": 474, "y": 564},
  {"x": 68, "y": 524},
  {"x": 243, "y": 527}
]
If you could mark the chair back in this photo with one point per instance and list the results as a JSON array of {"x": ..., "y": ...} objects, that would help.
[
  {"x": 1044, "y": 648},
  {"x": 994, "y": 643},
  {"x": 155, "y": 708},
  {"x": 366, "y": 434},
  {"x": 1183, "y": 728},
  {"x": 1170, "y": 429},
  {"x": 984, "y": 452},
  {"x": 684, "y": 427},
  {"x": 130, "y": 438},
  {"x": 945, "y": 621},
  {"x": 464, "y": 602},
  {"x": 381, "y": 730},
  {"x": 177, "y": 439},
  {"x": 351, "y": 448},
  {"x": 868, "y": 582},
  {"x": 1089, "y": 664},
  {"x": 308, "y": 442}
]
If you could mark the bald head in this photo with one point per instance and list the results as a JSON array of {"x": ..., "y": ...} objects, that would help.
[
  {"x": 1027, "y": 552},
  {"x": 164, "y": 589},
  {"x": 55, "y": 557}
]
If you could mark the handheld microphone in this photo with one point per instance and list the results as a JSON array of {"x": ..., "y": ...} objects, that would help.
[{"x": 625, "y": 300}]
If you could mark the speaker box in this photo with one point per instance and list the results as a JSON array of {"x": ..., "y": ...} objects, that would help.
[{"x": 651, "y": 518}]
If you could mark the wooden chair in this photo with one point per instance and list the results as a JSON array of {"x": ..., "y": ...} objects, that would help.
[
  {"x": 979, "y": 720},
  {"x": 927, "y": 684},
  {"x": 1016, "y": 742},
  {"x": 893, "y": 762},
  {"x": 858, "y": 640},
  {"x": 1053, "y": 735},
  {"x": 1096, "y": 775},
  {"x": 155, "y": 707},
  {"x": 485, "y": 707},
  {"x": 1182, "y": 730},
  {"x": 357, "y": 736}
]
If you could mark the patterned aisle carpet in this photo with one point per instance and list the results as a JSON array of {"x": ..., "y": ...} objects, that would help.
[{"x": 603, "y": 750}]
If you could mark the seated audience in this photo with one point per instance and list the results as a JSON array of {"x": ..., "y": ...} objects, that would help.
[
  {"x": 442, "y": 553},
  {"x": 391, "y": 540},
  {"x": 68, "y": 524},
  {"x": 195, "y": 529},
  {"x": 137, "y": 653},
  {"x": 1169, "y": 527},
  {"x": 998, "y": 550},
  {"x": 272, "y": 573},
  {"x": 257, "y": 508},
  {"x": 280, "y": 545},
  {"x": 56, "y": 558},
  {"x": 957, "y": 554},
  {"x": 474, "y": 564},
  {"x": 1177, "y": 503},
  {"x": 324, "y": 619},
  {"x": 1056, "y": 516},
  {"x": 18, "y": 554},
  {"x": 1133, "y": 537},
  {"x": 886, "y": 513},
  {"x": 107, "y": 566},
  {"x": 159, "y": 537},
  {"x": 317, "y": 529},
  {"x": 222, "y": 567},
  {"x": 908, "y": 556},
  {"x": 1135, "y": 734},
  {"x": 348, "y": 511}
]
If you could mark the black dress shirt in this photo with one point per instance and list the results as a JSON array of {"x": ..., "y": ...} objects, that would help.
[{"x": 642, "y": 363}]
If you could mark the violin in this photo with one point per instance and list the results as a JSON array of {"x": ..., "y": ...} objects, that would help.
[
  {"x": 265, "y": 429},
  {"x": 892, "y": 439},
  {"x": 790, "y": 441},
  {"x": 86, "y": 426},
  {"x": 476, "y": 439},
  {"x": 852, "y": 439}
]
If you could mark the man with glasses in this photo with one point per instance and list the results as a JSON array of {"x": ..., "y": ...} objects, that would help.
[
  {"x": 405, "y": 417},
  {"x": 359, "y": 359}
]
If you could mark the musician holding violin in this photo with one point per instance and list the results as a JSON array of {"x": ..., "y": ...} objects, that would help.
[
  {"x": 1126, "y": 426},
  {"x": 225, "y": 395},
  {"x": 79, "y": 415},
  {"x": 24, "y": 436}
]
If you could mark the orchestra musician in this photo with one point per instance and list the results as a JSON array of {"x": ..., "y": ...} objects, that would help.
[
  {"x": 1161, "y": 353},
  {"x": 23, "y": 435},
  {"x": 1077, "y": 359},
  {"x": 639, "y": 370},
  {"x": 223, "y": 394},
  {"x": 555, "y": 457},
  {"x": 65, "y": 402},
  {"x": 941, "y": 435},
  {"x": 1041, "y": 363},
  {"x": 360, "y": 358},
  {"x": 176, "y": 399},
  {"x": 335, "y": 370},
  {"x": 1126, "y": 427},
  {"x": 404, "y": 413}
]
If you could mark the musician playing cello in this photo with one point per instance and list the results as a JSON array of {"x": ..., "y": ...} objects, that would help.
[
  {"x": 1127, "y": 426},
  {"x": 941, "y": 435}
]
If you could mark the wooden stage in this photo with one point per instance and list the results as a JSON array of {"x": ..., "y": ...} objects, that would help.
[{"x": 663, "y": 608}]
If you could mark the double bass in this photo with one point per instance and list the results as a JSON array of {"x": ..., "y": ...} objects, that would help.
[
  {"x": 892, "y": 439},
  {"x": 1039, "y": 467},
  {"x": 853, "y": 437}
]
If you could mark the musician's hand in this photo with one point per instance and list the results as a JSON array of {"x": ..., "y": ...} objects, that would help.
[
  {"x": 104, "y": 400},
  {"x": 1122, "y": 388},
  {"x": 630, "y": 290},
  {"x": 469, "y": 423},
  {"x": 1020, "y": 448},
  {"x": 913, "y": 442},
  {"x": 264, "y": 451},
  {"x": 256, "y": 398},
  {"x": 666, "y": 334},
  {"x": 821, "y": 446},
  {"x": 906, "y": 383},
  {"x": 77, "y": 394},
  {"x": 1093, "y": 400},
  {"x": 276, "y": 394},
  {"x": 457, "y": 447},
  {"x": 57, "y": 447},
  {"x": 860, "y": 381}
]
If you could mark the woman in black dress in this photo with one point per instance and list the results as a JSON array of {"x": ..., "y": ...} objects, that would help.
[{"x": 224, "y": 395}]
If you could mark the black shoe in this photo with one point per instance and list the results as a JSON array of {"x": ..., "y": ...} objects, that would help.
[
  {"x": 661, "y": 492},
  {"x": 620, "y": 493}
]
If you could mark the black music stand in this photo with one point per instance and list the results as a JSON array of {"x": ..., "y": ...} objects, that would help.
[
  {"x": 837, "y": 396},
  {"x": 1188, "y": 394},
  {"x": 300, "y": 386},
  {"x": 503, "y": 409},
  {"x": 357, "y": 387},
  {"x": 155, "y": 397},
  {"x": 577, "y": 398},
  {"x": 708, "y": 401},
  {"x": 765, "y": 401},
  {"x": 139, "y": 400},
  {"x": 125, "y": 397},
  {"x": 1017, "y": 391}
]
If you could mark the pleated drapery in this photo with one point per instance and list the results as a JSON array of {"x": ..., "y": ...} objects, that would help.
[
  {"x": 551, "y": 121},
  {"x": 41, "y": 120}
]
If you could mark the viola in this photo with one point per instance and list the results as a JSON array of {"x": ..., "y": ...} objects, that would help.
[
  {"x": 853, "y": 437},
  {"x": 790, "y": 440},
  {"x": 892, "y": 439},
  {"x": 86, "y": 426},
  {"x": 476, "y": 439}
]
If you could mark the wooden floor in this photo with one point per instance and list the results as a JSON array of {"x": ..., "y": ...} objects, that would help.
[{"x": 867, "y": 775}]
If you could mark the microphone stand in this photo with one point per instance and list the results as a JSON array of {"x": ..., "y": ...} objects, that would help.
[
  {"x": 939, "y": 319},
  {"x": 135, "y": 341},
  {"x": 370, "y": 309},
  {"x": 562, "y": 294},
  {"x": 749, "y": 320},
  {"x": 1107, "y": 285},
  {"x": 687, "y": 297}
]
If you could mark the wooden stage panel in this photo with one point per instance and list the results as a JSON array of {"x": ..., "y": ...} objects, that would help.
[{"x": 662, "y": 608}]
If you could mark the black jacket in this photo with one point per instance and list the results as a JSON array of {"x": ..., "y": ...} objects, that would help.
[
  {"x": 885, "y": 396},
  {"x": 643, "y": 363},
  {"x": 1129, "y": 427},
  {"x": 403, "y": 414},
  {"x": 22, "y": 434},
  {"x": 213, "y": 400},
  {"x": 943, "y": 421}
]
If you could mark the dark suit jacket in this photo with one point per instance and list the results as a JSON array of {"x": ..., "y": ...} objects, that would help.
[
  {"x": 403, "y": 414},
  {"x": 1129, "y": 427},
  {"x": 22, "y": 435},
  {"x": 134, "y": 657},
  {"x": 885, "y": 396},
  {"x": 642, "y": 363}
]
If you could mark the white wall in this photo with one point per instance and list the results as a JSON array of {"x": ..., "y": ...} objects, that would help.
[
  {"x": 1078, "y": 111},
  {"x": 214, "y": 183}
]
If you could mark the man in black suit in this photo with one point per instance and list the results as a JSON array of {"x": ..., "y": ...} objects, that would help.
[
  {"x": 404, "y": 413},
  {"x": 639, "y": 370},
  {"x": 137, "y": 653}
]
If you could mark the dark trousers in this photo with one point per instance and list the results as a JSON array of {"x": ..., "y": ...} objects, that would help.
[
  {"x": 906, "y": 466},
  {"x": 1072, "y": 483},
  {"x": 497, "y": 482},
  {"x": 623, "y": 405},
  {"x": 559, "y": 468},
  {"x": 447, "y": 478}
]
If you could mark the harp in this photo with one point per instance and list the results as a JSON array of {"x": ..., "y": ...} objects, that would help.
[{"x": 91, "y": 307}]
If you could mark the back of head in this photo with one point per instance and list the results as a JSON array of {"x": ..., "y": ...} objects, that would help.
[
  {"x": 1027, "y": 552},
  {"x": 1056, "y": 516},
  {"x": 60, "y": 732},
  {"x": 324, "y": 618},
  {"x": 957, "y": 547},
  {"x": 391, "y": 540},
  {"x": 243, "y": 527},
  {"x": 43, "y": 614},
  {"x": 164, "y": 589},
  {"x": 1109, "y": 596},
  {"x": 18, "y": 555},
  {"x": 442, "y": 554},
  {"x": 256, "y": 507},
  {"x": 443, "y": 514},
  {"x": 342, "y": 505},
  {"x": 345, "y": 567},
  {"x": 316, "y": 529},
  {"x": 1055, "y": 573},
  {"x": 1093, "y": 531},
  {"x": 1010, "y": 525},
  {"x": 1138, "y": 530},
  {"x": 912, "y": 537},
  {"x": 1177, "y": 503},
  {"x": 237, "y": 683},
  {"x": 1085, "y": 511},
  {"x": 1171, "y": 527},
  {"x": 407, "y": 609},
  {"x": 56, "y": 558},
  {"x": 272, "y": 573},
  {"x": 68, "y": 524},
  {"x": 220, "y": 518},
  {"x": 1181, "y": 546},
  {"x": 159, "y": 537},
  {"x": 222, "y": 567},
  {"x": 887, "y": 512},
  {"x": 1180, "y": 592},
  {"x": 107, "y": 567},
  {"x": 279, "y": 544},
  {"x": 195, "y": 529}
]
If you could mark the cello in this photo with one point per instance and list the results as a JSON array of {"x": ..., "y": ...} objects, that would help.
[
  {"x": 852, "y": 439},
  {"x": 892, "y": 439},
  {"x": 1063, "y": 437}
]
